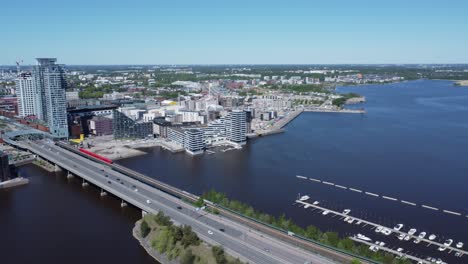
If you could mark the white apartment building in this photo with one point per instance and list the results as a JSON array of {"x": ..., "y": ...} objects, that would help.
[{"x": 28, "y": 97}]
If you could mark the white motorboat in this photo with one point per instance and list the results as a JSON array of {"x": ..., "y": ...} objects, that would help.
[
  {"x": 350, "y": 221},
  {"x": 304, "y": 198},
  {"x": 386, "y": 231},
  {"x": 326, "y": 212},
  {"x": 399, "y": 250},
  {"x": 422, "y": 235},
  {"x": 412, "y": 231},
  {"x": 441, "y": 249},
  {"x": 448, "y": 242},
  {"x": 417, "y": 241},
  {"x": 346, "y": 219},
  {"x": 316, "y": 202},
  {"x": 378, "y": 229},
  {"x": 401, "y": 236},
  {"x": 358, "y": 222},
  {"x": 363, "y": 237},
  {"x": 306, "y": 206},
  {"x": 346, "y": 211},
  {"x": 432, "y": 237},
  {"x": 398, "y": 227},
  {"x": 407, "y": 238},
  {"x": 459, "y": 245}
]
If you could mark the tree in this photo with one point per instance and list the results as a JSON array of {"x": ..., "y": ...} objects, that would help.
[
  {"x": 144, "y": 229},
  {"x": 218, "y": 254},
  {"x": 187, "y": 258},
  {"x": 355, "y": 261},
  {"x": 189, "y": 237}
]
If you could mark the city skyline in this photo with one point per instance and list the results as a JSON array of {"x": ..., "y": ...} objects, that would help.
[{"x": 236, "y": 33}]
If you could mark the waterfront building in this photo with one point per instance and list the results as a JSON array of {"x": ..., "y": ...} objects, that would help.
[
  {"x": 176, "y": 134},
  {"x": 236, "y": 127},
  {"x": 192, "y": 139},
  {"x": 50, "y": 85},
  {"x": 27, "y": 96},
  {"x": 126, "y": 127},
  {"x": 194, "y": 142},
  {"x": 4, "y": 167}
]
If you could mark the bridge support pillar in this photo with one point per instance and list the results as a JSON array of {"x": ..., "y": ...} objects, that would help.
[
  {"x": 57, "y": 168},
  {"x": 123, "y": 203},
  {"x": 143, "y": 213},
  {"x": 69, "y": 175},
  {"x": 103, "y": 193},
  {"x": 84, "y": 184}
]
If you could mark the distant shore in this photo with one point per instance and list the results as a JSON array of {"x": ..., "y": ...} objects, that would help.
[{"x": 462, "y": 83}]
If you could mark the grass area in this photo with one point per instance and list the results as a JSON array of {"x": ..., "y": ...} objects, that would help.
[
  {"x": 342, "y": 100},
  {"x": 311, "y": 232},
  {"x": 180, "y": 242}
]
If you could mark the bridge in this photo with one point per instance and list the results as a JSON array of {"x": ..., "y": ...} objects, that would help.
[{"x": 241, "y": 237}]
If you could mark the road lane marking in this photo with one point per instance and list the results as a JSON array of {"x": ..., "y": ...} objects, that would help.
[
  {"x": 406, "y": 202},
  {"x": 328, "y": 183},
  {"x": 372, "y": 194},
  {"x": 301, "y": 177},
  {"x": 341, "y": 186},
  {"x": 355, "y": 190}
]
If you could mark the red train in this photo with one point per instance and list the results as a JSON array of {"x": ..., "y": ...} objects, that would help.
[{"x": 97, "y": 156}]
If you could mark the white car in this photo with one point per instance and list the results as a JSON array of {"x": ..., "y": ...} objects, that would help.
[
  {"x": 210, "y": 232},
  {"x": 148, "y": 201}
]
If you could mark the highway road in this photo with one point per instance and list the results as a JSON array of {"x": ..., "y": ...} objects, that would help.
[{"x": 238, "y": 240}]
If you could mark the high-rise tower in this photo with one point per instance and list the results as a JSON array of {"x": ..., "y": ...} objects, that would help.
[{"x": 50, "y": 84}]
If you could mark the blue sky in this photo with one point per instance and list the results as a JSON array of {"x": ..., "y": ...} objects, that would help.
[{"x": 237, "y": 32}]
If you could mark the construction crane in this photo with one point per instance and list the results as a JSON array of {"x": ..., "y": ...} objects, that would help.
[{"x": 18, "y": 66}]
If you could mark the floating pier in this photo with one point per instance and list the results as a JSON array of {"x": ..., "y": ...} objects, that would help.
[{"x": 375, "y": 225}]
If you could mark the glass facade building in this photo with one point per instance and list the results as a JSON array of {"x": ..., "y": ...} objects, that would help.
[{"x": 125, "y": 127}]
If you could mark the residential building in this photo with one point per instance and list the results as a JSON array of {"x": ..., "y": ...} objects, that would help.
[
  {"x": 194, "y": 142},
  {"x": 27, "y": 96},
  {"x": 100, "y": 126},
  {"x": 126, "y": 127},
  {"x": 50, "y": 84},
  {"x": 236, "y": 127}
]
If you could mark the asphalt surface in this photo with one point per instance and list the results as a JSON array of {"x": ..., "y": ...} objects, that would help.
[{"x": 238, "y": 240}]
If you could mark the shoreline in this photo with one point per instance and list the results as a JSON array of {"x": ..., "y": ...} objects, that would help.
[{"x": 160, "y": 258}]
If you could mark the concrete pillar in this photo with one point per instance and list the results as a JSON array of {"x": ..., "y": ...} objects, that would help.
[
  {"x": 84, "y": 184},
  {"x": 123, "y": 204},
  {"x": 143, "y": 213},
  {"x": 69, "y": 175},
  {"x": 103, "y": 193},
  {"x": 57, "y": 168}
]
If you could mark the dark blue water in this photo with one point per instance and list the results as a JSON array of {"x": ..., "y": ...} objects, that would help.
[{"x": 411, "y": 145}]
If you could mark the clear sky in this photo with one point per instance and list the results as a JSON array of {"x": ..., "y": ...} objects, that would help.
[{"x": 234, "y": 32}]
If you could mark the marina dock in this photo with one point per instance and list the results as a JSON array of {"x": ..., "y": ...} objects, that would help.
[{"x": 373, "y": 225}]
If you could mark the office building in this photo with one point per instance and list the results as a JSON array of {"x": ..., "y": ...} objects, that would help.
[
  {"x": 236, "y": 127},
  {"x": 50, "y": 85}
]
